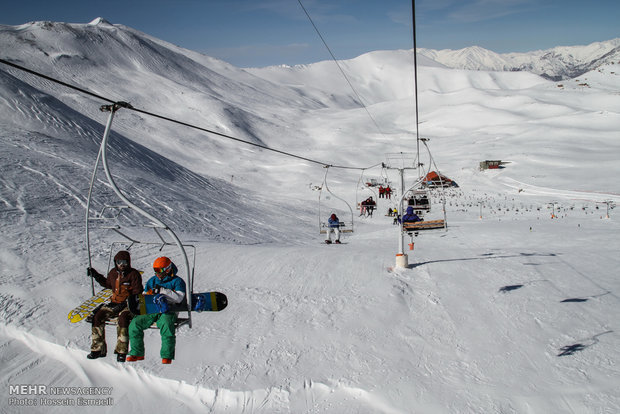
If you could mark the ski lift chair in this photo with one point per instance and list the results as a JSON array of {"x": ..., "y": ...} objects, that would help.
[
  {"x": 183, "y": 319},
  {"x": 424, "y": 225},
  {"x": 345, "y": 226},
  {"x": 114, "y": 212},
  {"x": 420, "y": 201}
]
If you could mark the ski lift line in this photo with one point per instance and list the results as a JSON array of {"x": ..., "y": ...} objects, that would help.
[
  {"x": 129, "y": 106},
  {"x": 341, "y": 70}
]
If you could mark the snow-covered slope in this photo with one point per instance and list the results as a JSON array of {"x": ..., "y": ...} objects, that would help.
[
  {"x": 562, "y": 62},
  {"x": 507, "y": 311}
]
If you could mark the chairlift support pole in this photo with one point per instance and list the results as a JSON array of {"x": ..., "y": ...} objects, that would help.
[
  {"x": 609, "y": 204},
  {"x": 402, "y": 259},
  {"x": 401, "y": 256},
  {"x": 156, "y": 223},
  {"x": 401, "y": 240}
]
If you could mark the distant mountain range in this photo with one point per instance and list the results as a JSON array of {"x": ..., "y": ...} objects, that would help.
[{"x": 558, "y": 63}]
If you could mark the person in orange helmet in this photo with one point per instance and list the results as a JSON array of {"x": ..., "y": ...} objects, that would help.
[{"x": 168, "y": 289}]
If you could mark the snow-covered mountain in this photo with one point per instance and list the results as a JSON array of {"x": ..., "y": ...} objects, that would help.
[
  {"x": 513, "y": 309},
  {"x": 558, "y": 63}
]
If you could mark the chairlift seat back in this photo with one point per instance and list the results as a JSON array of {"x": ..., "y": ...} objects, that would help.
[
  {"x": 424, "y": 225},
  {"x": 341, "y": 225}
]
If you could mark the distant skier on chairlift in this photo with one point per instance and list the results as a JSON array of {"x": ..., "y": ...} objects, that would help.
[
  {"x": 367, "y": 207},
  {"x": 410, "y": 216},
  {"x": 333, "y": 226}
]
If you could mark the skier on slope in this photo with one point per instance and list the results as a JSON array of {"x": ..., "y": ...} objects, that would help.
[
  {"x": 126, "y": 283},
  {"x": 333, "y": 226},
  {"x": 168, "y": 289}
]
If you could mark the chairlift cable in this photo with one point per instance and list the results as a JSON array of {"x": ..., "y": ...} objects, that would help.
[
  {"x": 415, "y": 79},
  {"x": 165, "y": 118},
  {"x": 341, "y": 70},
  {"x": 32, "y": 72}
]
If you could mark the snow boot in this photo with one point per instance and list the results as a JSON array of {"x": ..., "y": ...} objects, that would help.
[
  {"x": 166, "y": 361},
  {"x": 121, "y": 357},
  {"x": 337, "y": 242},
  {"x": 328, "y": 242},
  {"x": 96, "y": 354},
  {"x": 134, "y": 358}
]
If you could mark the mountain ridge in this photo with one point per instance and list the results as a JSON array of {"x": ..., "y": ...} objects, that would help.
[
  {"x": 558, "y": 63},
  {"x": 280, "y": 106}
]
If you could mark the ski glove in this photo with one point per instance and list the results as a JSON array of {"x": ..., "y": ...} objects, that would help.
[
  {"x": 90, "y": 272},
  {"x": 161, "y": 303},
  {"x": 133, "y": 301}
]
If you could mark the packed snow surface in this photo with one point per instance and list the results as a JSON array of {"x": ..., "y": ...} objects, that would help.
[{"x": 515, "y": 308}]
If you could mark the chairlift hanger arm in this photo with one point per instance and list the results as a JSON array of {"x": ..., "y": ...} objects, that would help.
[
  {"x": 156, "y": 222},
  {"x": 115, "y": 106},
  {"x": 326, "y": 187}
]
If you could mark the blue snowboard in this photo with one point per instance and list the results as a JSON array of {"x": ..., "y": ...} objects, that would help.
[{"x": 205, "y": 301}]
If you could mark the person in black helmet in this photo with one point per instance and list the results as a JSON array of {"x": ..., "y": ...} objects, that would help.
[{"x": 125, "y": 282}]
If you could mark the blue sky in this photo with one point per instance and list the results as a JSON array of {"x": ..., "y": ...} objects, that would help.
[{"x": 271, "y": 32}]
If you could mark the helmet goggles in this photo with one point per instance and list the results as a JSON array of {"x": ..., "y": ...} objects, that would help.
[{"x": 162, "y": 270}]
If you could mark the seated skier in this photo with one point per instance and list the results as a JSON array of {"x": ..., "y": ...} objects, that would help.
[
  {"x": 168, "y": 289},
  {"x": 333, "y": 226},
  {"x": 410, "y": 216},
  {"x": 370, "y": 206},
  {"x": 126, "y": 283}
]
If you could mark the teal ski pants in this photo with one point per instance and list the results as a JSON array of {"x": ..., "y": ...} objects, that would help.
[{"x": 165, "y": 323}]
